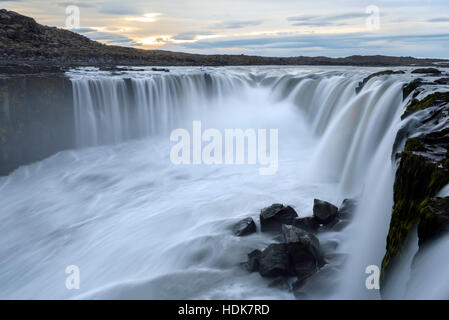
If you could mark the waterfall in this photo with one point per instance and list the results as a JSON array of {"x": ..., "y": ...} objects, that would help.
[
  {"x": 115, "y": 109},
  {"x": 357, "y": 132},
  {"x": 121, "y": 202}
]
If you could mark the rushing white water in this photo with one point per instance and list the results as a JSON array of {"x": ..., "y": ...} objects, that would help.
[
  {"x": 115, "y": 109},
  {"x": 140, "y": 227}
]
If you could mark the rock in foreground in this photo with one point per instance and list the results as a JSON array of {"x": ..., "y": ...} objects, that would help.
[
  {"x": 244, "y": 227},
  {"x": 303, "y": 249},
  {"x": 327, "y": 217},
  {"x": 298, "y": 255},
  {"x": 273, "y": 217},
  {"x": 309, "y": 224},
  {"x": 324, "y": 211},
  {"x": 275, "y": 261},
  {"x": 253, "y": 260}
]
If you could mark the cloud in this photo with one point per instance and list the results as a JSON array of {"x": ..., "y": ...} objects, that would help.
[
  {"x": 191, "y": 35},
  {"x": 237, "y": 24},
  {"x": 440, "y": 19},
  {"x": 78, "y": 4},
  {"x": 118, "y": 8},
  {"x": 329, "y": 46},
  {"x": 314, "y": 20},
  {"x": 147, "y": 17},
  {"x": 106, "y": 37},
  {"x": 326, "y": 42},
  {"x": 83, "y": 30},
  {"x": 216, "y": 27}
]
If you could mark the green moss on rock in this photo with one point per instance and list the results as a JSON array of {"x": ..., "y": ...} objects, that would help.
[
  {"x": 414, "y": 144},
  {"x": 434, "y": 219},
  {"x": 418, "y": 179},
  {"x": 412, "y": 86},
  {"x": 431, "y": 100}
]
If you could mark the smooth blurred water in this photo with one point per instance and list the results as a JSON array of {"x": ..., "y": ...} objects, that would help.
[{"x": 140, "y": 227}]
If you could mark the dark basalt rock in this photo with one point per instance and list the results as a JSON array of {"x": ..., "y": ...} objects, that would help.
[
  {"x": 118, "y": 69},
  {"x": 432, "y": 100},
  {"x": 298, "y": 255},
  {"x": 423, "y": 171},
  {"x": 273, "y": 217},
  {"x": 324, "y": 211},
  {"x": 304, "y": 251},
  {"x": 160, "y": 69},
  {"x": 274, "y": 261},
  {"x": 339, "y": 221},
  {"x": 434, "y": 220},
  {"x": 15, "y": 69},
  {"x": 244, "y": 227},
  {"x": 252, "y": 264},
  {"x": 347, "y": 209},
  {"x": 442, "y": 81},
  {"x": 292, "y": 234},
  {"x": 427, "y": 70},
  {"x": 412, "y": 86},
  {"x": 309, "y": 224},
  {"x": 345, "y": 215}
]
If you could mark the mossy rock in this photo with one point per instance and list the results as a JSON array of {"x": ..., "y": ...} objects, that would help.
[
  {"x": 420, "y": 176},
  {"x": 434, "y": 220},
  {"x": 412, "y": 86},
  {"x": 434, "y": 99},
  {"x": 426, "y": 71},
  {"x": 443, "y": 81},
  {"x": 414, "y": 145}
]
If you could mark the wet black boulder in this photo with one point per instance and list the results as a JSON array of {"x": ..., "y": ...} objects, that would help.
[
  {"x": 273, "y": 217},
  {"x": 309, "y": 224},
  {"x": 274, "y": 261},
  {"x": 345, "y": 215},
  {"x": 304, "y": 252},
  {"x": 252, "y": 264},
  {"x": 298, "y": 255},
  {"x": 244, "y": 227},
  {"x": 324, "y": 212},
  {"x": 347, "y": 209}
]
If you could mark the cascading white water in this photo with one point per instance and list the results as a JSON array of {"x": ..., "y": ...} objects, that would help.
[
  {"x": 116, "y": 109},
  {"x": 140, "y": 227},
  {"x": 358, "y": 132}
]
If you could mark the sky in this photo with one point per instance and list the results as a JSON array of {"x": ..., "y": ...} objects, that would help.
[{"x": 418, "y": 28}]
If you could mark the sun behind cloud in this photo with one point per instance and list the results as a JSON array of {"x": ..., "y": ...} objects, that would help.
[
  {"x": 147, "y": 17},
  {"x": 155, "y": 41}
]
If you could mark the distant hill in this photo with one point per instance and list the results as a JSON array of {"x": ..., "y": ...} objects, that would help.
[{"x": 25, "y": 42}]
